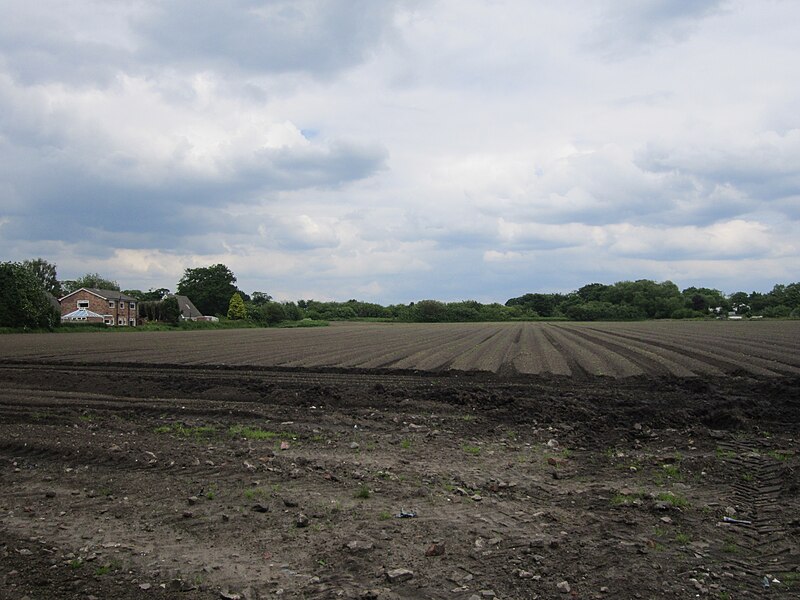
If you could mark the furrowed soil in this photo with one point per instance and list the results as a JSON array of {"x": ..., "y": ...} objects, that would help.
[{"x": 125, "y": 480}]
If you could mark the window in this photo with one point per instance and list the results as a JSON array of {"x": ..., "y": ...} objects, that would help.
[
  {"x": 110, "y": 304},
  {"x": 83, "y": 304},
  {"x": 122, "y": 321},
  {"x": 108, "y": 321},
  {"x": 133, "y": 323},
  {"x": 133, "y": 305}
]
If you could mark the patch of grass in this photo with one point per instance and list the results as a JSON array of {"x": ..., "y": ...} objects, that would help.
[
  {"x": 317, "y": 438},
  {"x": 253, "y": 493},
  {"x": 198, "y": 431},
  {"x": 778, "y": 455},
  {"x": 384, "y": 515},
  {"x": 363, "y": 493},
  {"x": 87, "y": 418},
  {"x": 674, "y": 500},
  {"x": 76, "y": 563},
  {"x": 672, "y": 471},
  {"x": 730, "y": 547},
  {"x": 682, "y": 538},
  {"x": 405, "y": 444},
  {"x": 625, "y": 499},
  {"x": 473, "y": 450},
  {"x": 790, "y": 579},
  {"x": 106, "y": 568},
  {"x": 256, "y": 433},
  {"x": 722, "y": 453},
  {"x": 748, "y": 477},
  {"x": 468, "y": 418}
]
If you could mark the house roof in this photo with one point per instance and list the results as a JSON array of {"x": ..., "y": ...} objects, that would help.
[
  {"x": 81, "y": 313},
  {"x": 105, "y": 294},
  {"x": 188, "y": 309}
]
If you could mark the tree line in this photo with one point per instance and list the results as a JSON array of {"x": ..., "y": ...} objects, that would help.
[{"x": 28, "y": 291}]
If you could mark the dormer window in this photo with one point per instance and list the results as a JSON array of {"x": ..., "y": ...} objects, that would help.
[{"x": 83, "y": 304}]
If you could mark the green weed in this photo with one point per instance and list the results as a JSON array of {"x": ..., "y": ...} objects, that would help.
[
  {"x": 473, "y": 450},
  {"x": 256, "y": 433},
  {"x": 673, "y": 499},
  {"x": 363, "y": 493},
  {"x": 199, "y": 431},
  {"x": 730, "y": 547},
  {"x": 625, "y": 499},
  {"x": 722, "y": 453},
  {"x": 778, "y": 455},
  {"x": 405, "y": 444},
  {"x": 682, "y": 538}
]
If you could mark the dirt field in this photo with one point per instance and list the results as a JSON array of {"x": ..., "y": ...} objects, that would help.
[
  {"x": 226, "y": 472},
  {"x": 579, "y": 350}
]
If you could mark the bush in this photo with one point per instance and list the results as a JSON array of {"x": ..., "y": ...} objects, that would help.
[{"x": 23, "y": 300}]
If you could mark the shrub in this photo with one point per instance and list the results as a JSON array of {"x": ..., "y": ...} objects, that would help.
[{"x": 23, "y": 300}]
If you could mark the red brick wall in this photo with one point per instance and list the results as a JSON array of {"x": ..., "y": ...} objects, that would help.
[{"x": 100, "y": 306}]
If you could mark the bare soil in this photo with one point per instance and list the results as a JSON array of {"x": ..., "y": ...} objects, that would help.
[{"x": 136, "y": 481}]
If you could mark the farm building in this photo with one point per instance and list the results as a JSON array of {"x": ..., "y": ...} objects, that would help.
[
  {"x": 115, "y": 308},
  {"x": 189, "y": 311}
]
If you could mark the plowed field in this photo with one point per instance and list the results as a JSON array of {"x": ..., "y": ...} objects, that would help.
[
  {"x": 574, "y": 349},
  {"x": 387, "y": 462}
]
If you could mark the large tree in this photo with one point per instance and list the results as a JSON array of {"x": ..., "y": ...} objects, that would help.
[
  {"x": 23, "y": 300},
  {"x": 90, "y": 280},
  {"x": 45, "y": 273},
  {"x": 209, "y": 288}
]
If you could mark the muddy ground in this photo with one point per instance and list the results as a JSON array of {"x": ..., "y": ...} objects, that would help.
[{"x": 141, "y": 482}]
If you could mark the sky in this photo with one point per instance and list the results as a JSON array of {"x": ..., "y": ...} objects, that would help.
[{"x": 394, "y": 151}]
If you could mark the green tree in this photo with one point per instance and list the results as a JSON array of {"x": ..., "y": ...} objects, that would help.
[
  {"x": 209, "y": 288},
  {"x": 260, "y": 298},
  {"x": 23, "y": 299},
  {"x": 90, "y": 280},
  {"x": 45, "y": 273},
  {"x": 236, "y": 308}
]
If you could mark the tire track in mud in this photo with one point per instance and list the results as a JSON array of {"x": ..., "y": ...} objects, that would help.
[{"x": 757, "y": 491}]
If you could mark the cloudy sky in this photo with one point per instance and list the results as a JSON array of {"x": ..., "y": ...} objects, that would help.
[{"x": 400, "y": 150}]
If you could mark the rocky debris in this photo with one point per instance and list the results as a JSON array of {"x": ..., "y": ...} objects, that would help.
[
  {"x": 435, "y": 549},
  {"x": 226, "y": 595},
  {"x": 354, "y": 446},
  {"x": 290, "y": 503},
  {"x": 260, "y": 508},
  {"x": 359, "y": 546},
  {"x": 399, "y": 575},
  {"x": 564, "y": 587},
  {"x": 301, "y": 521},
  {"x": 145, "y": 586},
  {"x": 192, "y": 500}
]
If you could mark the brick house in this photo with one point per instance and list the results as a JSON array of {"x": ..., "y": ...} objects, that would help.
[{"x": 117, "y": 309}]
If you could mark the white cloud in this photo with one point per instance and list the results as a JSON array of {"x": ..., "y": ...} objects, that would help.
[{"x": 402, "y": 149}]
